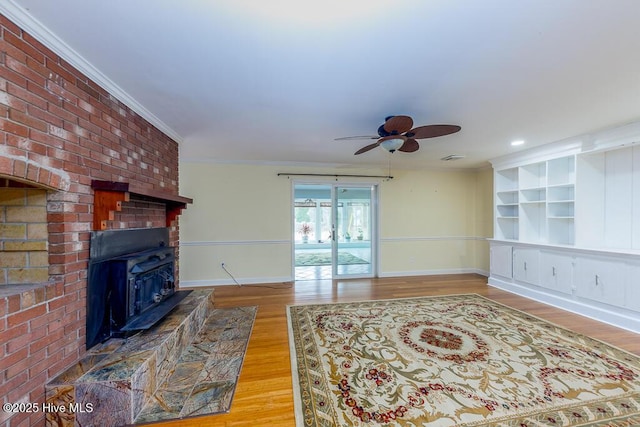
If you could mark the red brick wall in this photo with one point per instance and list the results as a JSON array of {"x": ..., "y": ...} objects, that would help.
[{"x": 59, "y": 130}]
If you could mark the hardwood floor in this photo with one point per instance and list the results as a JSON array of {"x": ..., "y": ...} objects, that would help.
[{"x": 264, "y": 395}]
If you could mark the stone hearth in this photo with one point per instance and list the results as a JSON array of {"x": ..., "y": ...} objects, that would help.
[{"x": 114, "y": 382}]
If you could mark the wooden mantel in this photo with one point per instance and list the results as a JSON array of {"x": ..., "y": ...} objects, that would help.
[{"x": 109, "y": 195}]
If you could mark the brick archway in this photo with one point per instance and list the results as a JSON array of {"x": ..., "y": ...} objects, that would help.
[{"x": 30, "y": 172}]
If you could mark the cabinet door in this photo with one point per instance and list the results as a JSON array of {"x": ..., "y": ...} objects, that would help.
[
  {"x": 601, "y": 280},
  {"x": 556, "y": 271},
  {"x": 501, "y": 260},
  {"x": 526, "y": 265},
  {"x": 632, "y": 300}
]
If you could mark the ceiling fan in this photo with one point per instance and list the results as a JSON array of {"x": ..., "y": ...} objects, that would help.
[{"x": 397, "y": 134}]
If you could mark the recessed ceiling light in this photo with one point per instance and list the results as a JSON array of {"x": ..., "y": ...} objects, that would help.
[{"x": 518, "y": 142}]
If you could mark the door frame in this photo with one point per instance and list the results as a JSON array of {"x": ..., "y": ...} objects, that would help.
[
  {"x": 373, "y": 189},
  {"x": 375, "y": 225}
]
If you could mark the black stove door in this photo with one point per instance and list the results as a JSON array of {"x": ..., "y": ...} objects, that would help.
[{"x": 152, "y": 287}]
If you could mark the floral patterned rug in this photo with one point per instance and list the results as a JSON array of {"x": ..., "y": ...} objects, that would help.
[{"x": 459, "y": 360}]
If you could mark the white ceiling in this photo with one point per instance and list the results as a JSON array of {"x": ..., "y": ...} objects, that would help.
[{"x": 277, "y": 81}]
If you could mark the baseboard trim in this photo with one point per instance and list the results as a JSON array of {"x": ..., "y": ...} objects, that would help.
[
  {"x": 434, "y": 272},
  {"x": 614, "y": 316},
  {"x": 230, "y": 282},
  {"x": 288, "y": 279}
]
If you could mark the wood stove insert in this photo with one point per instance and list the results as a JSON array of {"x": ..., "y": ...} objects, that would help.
[{"x": 131, "y": 284}]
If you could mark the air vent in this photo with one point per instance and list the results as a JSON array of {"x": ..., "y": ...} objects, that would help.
[{"x": 452, "y": 157}]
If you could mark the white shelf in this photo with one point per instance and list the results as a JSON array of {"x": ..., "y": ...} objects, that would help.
[
  {"x": 507, "y": 197},
  {"x": 506, "y": 180},
  {"x": 532, "y": 176},
  {"x": 508, "y": 211},
  {"x": 533, "y": 195},
  {"x": 561, "y": 171},
  {"x": 542, "y": 209}
]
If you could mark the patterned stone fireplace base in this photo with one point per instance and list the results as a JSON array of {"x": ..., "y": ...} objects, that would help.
[{"x": 113, "y": 383}]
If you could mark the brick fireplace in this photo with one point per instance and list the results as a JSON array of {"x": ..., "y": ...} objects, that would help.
[{"x": 59, "y": 132}]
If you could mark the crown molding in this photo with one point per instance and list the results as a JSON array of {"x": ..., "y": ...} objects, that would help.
[
  {"x": 19, "y": 16},
  {"x": 609, "y": 138}
]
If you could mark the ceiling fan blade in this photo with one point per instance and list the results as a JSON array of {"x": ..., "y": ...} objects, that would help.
[
  {"x": 367, "y": 148},
  {"x": 432, "y": 131},
  {"x": 349, "y": 138},
  {"x": 398, "y": 124},
  {"x": 409, "y": 146}
]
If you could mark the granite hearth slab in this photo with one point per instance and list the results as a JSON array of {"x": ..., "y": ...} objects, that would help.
[
  {"x": 206, "y": 374},
  {"x": 112, "y": 384}
]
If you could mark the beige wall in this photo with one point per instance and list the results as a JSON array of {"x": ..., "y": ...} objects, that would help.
[
  {"x": 435, "y": 221},
  {"x": 430, "y": 221}
]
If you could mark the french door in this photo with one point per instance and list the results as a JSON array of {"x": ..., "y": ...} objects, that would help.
[{"x": 335, "y": 231}]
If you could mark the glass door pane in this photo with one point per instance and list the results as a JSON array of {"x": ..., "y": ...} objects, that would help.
[
  {"x": 312, "y": 231},
  {"x": 354, "y": 231}
]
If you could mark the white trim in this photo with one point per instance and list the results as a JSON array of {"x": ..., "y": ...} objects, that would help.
[
  {"x": 615, "y": 316},
  {"x": 270, "y": 280},
  {"x": 540, "y": 153},
  {"x": 352, "y": 166},
  {"x": 432, "y": 238},
  {"x": 434, "y": 272},
  {"x": 604, "y": 139},
  {"x": 229, "y": 282},
  {"x": 631, "y": 254},
  {"x": 38, "y": 30},
  {"x": 234, "y": 242}
]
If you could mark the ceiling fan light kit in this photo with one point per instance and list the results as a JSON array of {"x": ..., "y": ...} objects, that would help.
[
  {"x": 393, "y": 143},
  {"x": 396, "y": 134}
]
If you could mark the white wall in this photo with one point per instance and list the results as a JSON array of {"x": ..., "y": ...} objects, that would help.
[{"x": 430, "y": 222}]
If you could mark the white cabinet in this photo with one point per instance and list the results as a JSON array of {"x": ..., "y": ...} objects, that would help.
[
  {"x": 632, "y": 300},
  {"x": 594, "y": 283},
  {"x": 601, "y": 279},
  {"x": 526, "y": 265},
  {"x": 556, "y": 271},
  {"x": 608, "y": 199},
  {"x": 500, "y": 260}
]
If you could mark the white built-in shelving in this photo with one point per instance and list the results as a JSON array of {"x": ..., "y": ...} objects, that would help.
[
  {"x": 507, "y": 207},
  {"x": 535, "y": 202},
  {"x": 567, "y": 225}
]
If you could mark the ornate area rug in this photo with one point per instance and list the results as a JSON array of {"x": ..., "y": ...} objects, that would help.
[
  {"x": 324, "y": 258},
  {"x": 460, "y": 360}
]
